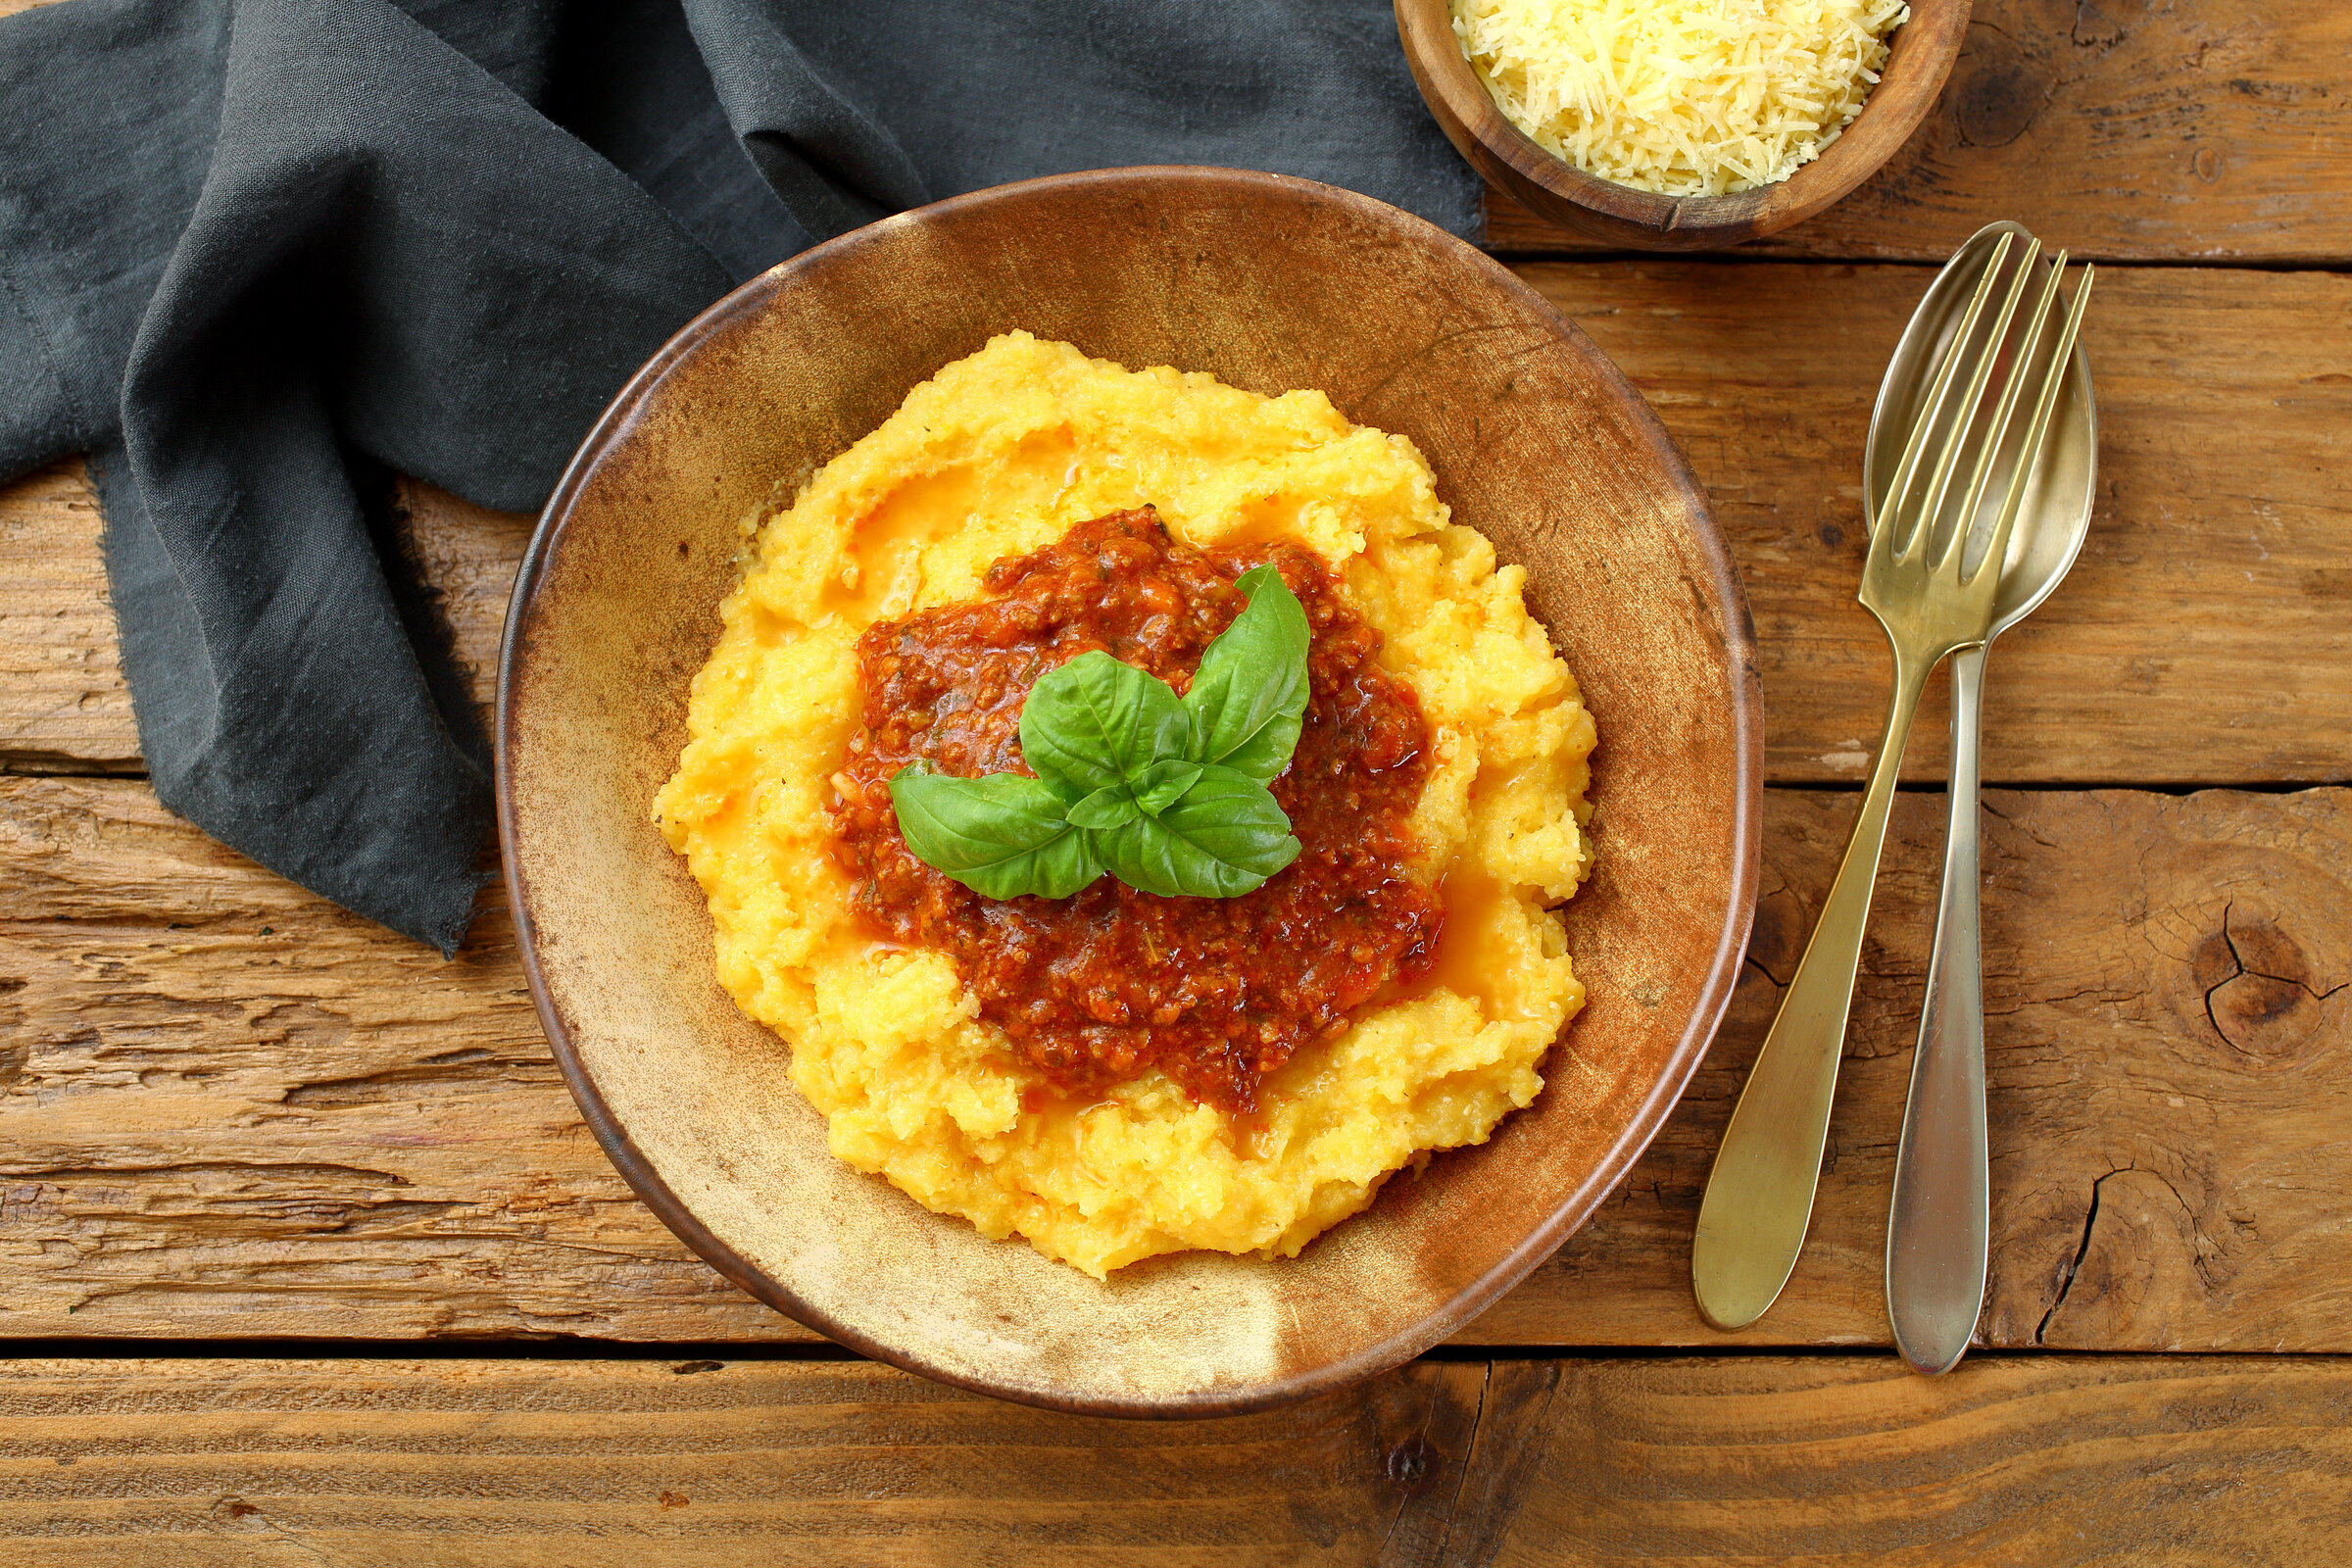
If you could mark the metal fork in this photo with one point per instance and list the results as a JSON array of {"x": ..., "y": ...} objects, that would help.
[{"x": 1759, "y": 1198}]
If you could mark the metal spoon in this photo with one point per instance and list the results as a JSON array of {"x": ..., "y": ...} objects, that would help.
[
  {"x": 1931, "y": 600},
  {"x": 1940, "y": 1222}
]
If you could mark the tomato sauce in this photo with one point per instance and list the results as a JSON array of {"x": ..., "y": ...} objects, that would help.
[{"x": 1102, "y": 987}]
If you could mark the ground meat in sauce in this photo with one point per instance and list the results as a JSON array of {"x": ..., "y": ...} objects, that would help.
[{"x": 1100, "y": 986}]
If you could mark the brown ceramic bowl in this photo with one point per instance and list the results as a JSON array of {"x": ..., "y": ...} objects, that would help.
[
  {"x": 1920, "y": 57},
  {"x": 1271, "y": 284}
]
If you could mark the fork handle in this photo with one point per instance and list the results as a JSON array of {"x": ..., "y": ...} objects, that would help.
[
  {"x": 1751, "y": 1223},
  {"x": 1937, "y": 1226}
]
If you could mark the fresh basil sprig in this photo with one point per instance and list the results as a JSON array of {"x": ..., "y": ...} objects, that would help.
[
  {"x": 1003, "y": 835},
  {"x": 1248, "y": 696},
  {"x": 1167, "y": 794}
]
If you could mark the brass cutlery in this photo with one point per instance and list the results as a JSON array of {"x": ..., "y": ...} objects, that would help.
[{"x": 1957, "y": 398}]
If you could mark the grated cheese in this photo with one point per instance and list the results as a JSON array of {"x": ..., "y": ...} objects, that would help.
[{"x": 1685, "y": 97}]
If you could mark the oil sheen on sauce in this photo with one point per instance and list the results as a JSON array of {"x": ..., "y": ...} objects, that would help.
[{"x": 1107, "y": 984}]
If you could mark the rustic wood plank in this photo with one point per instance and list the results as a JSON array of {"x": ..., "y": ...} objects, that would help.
[
  {"x": 2198, "y": 640},
  {"x": 2125, "y": 129},
  {"x": 2168, "y": 991},
  {"x": 574, "y": 1464},
  {"x": 2046, "y": 1461},
  {"x": 2209, "y": 602},
  {"x": 1428, "y": 1431},
  {"x": 232, "y": 1109},
  {"x": 1506, "y": 1459},
  {"x": 65, "y": 707},
  {"x": 2024, "y": 1463},
  {"x": 235, "y": 1109}
]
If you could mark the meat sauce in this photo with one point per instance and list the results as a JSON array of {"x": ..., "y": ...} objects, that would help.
[{"x": 1099, "y": 988}]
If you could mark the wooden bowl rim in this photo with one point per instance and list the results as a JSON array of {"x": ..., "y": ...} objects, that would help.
[
  {"x": 1425, "y": 27},
  {"x": 1714, "y": 996}
]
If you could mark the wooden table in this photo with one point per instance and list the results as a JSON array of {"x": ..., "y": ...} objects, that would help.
[{"x": 310, "y": 1257}]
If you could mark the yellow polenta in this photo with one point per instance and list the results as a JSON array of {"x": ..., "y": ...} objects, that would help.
[{"x": 999, "y": 455}]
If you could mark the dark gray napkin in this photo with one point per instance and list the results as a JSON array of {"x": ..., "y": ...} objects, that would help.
[{"x": 256, "y": 254}]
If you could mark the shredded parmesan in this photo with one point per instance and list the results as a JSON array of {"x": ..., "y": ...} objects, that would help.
[{"x": 1685, "y": 97}]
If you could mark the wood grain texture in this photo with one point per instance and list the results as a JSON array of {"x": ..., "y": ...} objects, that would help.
[
  {"x": 235, "y": 1109},
  {"x": 384, "y": 1465},
  {"x": 2038, "y": 1463},
  {"x": 2209, "y": 601},
  {"x": 232, "y": 1109},
  {"x": 2017, "y": 1462},
  {"x": 2125, "y": 129},
  {"x": 2198, "y": 640},
  {"x": 65, "y": 707},
  {"x": 2168, "y": 996}
]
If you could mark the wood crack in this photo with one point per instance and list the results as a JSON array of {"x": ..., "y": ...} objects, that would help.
[
  {"x": 1461, "y": 1478},
  {"x": 2239, "y": 967},
  {"x": 2066, "y": 1283},
  {"x": 1406, "y": 1466},
  {"x": 1992, "y": 807},
  {"x": 1431, "y": 1465},
  {"x": 1510, "y": 1444},
  {"x": 288, "y": 1169}
]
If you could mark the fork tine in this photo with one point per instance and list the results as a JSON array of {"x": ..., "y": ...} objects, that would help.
[
  {"x": 1900, "y": 487},
  {"x": 2029, "y": 457},
  {"x": 1940, "y": 481},
  {"x": 1965, "y": 521}
]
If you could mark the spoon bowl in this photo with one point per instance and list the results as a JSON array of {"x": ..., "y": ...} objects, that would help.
[
  {"x": 1938, "y": 1224},
  {"x": 1932, "y": 603},
  {"x": 2055, "y": 518}
]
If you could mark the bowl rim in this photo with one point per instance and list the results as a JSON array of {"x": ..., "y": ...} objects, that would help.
[
  {"x": 1557, "y": 189},
  {"x": 1737, "y": 647}
]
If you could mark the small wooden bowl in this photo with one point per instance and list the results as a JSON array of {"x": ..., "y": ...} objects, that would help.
[
  {"x": 1922, "y": 55},
  {"x": 1271, "y": 283}
]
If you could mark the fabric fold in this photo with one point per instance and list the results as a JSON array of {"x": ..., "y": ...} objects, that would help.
[
  {"x": 831, "y": 164},
  {"x": 255, "y": 254}
]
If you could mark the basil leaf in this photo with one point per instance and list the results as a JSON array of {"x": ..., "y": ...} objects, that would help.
[
  {"x": 1224, "y": 837},
  {"x": 1167, "y": 794},
  {"x": 1095, "y": 721},
  {"x": 1162, "y": 784},
  {"x": 1237, "y": 820},
  {"x": 1113, "y": 806},
  {"x": 1249, "y": 694},
  {"x": 1002, "y": 836},
  {"x": 1057, "y": 871}
]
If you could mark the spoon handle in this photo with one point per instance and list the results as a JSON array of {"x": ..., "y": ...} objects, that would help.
[
  {"x": 1937, "y": 1226},
  {"x": 1751, "y": 1223}
]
